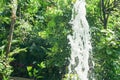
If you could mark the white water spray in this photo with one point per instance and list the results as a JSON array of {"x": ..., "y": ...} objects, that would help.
[{"x": 80, "y": 43}]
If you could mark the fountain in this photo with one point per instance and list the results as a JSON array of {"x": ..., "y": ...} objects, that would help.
[{"x": 80, "y": 43}]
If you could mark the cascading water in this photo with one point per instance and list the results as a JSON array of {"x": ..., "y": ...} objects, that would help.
[{"x": 80, "y": 43}]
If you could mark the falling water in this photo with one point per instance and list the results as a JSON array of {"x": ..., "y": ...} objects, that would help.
[{"x": 79, "y": 42}]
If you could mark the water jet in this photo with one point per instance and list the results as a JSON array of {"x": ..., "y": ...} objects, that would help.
[{"x": 79, "y": 42}]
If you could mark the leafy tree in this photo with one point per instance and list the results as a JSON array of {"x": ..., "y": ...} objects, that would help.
[{"x": 103, "y": 14}]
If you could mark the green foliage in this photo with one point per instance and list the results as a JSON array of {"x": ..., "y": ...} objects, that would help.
[
  {"x": 34, "y": 72},
  {"x": 5, "y": 68},
  {"x": 40, "y": 47},
  {"x": 42, "y": 30},
  {"x": 106, "y": 42},
  {"x": 108, "y": 52}
]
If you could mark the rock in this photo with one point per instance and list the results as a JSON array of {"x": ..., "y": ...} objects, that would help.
[{"x": 20, "y": 78}]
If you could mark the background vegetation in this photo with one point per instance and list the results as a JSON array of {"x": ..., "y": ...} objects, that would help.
[{"x": 33, "y": 38}]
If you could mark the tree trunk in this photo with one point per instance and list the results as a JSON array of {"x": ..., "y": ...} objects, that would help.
[
  {"x": 13, "y": 19},
  {"x": 104, "y": 15},
  {"x": 106, "y": 7}
]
